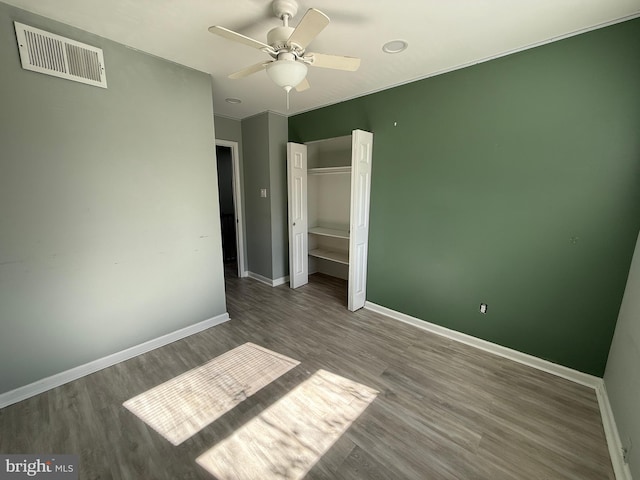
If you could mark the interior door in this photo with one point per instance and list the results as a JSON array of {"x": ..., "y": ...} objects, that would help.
[
  {"x": 361, "y": 155},
  {"x": 298, "y": 221}
]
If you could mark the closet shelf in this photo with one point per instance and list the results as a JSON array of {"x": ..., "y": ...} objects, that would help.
[
  {"x": 329, "y": 232},
  {"x": 329, "y": 170},
  {"x": 340, "y": 257}
]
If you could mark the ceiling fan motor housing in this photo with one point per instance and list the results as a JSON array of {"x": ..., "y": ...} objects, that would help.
[{"x": 278, "y": 36}]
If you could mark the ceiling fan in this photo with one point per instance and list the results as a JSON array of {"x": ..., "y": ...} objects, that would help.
[{"x": 287, "y": 47}]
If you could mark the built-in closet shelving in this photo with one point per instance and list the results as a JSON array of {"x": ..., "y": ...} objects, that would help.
[{"x": 329, "y": 189}]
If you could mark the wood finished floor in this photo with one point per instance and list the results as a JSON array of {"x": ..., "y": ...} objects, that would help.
[{"x": 444, "y": 411}]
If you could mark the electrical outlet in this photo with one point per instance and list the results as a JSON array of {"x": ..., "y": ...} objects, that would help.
[{"x": 483, "y": 308}]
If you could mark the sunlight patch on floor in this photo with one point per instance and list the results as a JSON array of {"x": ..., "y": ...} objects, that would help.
[
  {"x": 181, "y": 407},
  {"x": 288, "y": 438}
]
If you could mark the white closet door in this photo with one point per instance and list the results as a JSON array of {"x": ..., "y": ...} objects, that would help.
[
  {"x": 361, "y": 151},
  {"x": 298, "y": 237}
]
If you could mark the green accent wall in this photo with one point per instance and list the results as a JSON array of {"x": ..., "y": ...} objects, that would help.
[
  {"x": 109, "y": 230},
  {"x": 514, "y": 182}
]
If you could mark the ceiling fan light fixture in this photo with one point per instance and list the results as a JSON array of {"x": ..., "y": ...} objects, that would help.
[
  {"x": 287, "y": 73},
  {"x": 395, "y": 46}
]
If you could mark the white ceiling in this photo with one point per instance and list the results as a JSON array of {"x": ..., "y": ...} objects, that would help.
[{"x": 442, "y": 35}]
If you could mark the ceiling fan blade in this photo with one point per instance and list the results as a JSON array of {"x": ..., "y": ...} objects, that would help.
[
  {"x": 245, "y": 72},
  {"x": 238, "y": 37},
  {"x": 303, "y": 85},
  {"x": 309, "y": 27},
  {"x": 336, "y": 62}
]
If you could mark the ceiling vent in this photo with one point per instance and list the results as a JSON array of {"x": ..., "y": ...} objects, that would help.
[{"x": 45, "y": 52}]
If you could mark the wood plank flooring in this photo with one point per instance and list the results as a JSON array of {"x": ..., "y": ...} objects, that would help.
[{"x": 444, "y": 411}]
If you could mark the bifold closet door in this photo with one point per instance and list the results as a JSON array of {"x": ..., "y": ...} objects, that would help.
[
  {"x": 298, "y": 217},
  {"x": 361, "y": 151}
]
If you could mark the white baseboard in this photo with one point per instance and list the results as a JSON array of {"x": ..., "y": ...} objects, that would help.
[
  {"x": 281, "y": 281},
  {"x": 524, "y": 358},
  {"x": 268, "y": 281},
  {"x": 620, "y": 468},
  {"x": 40, "y": 386},
  {"x": 614, "y": 444},
  {"x": 260, "y": 278}
]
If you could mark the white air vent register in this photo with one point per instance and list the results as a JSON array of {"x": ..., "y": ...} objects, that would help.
[{"x": 52, "y": 54}]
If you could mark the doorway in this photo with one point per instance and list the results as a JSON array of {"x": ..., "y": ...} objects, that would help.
[{"x": 230, "y": 208}]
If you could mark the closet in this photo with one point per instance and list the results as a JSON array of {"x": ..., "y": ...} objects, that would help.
[{"x": 329, "y": 186}]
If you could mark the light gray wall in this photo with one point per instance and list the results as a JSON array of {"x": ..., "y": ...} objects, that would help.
[
  {"x": 278, "y": 132},
  {"x": 109, "y": 232},
  {"x": 255, "y": 139},
  {"x": 265, "y": 143},
  {"x": 621, "y": 375},
  {"x": 228, "y": 129}
]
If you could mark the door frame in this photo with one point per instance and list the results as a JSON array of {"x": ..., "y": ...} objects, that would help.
[{"x": 237, "y": 203}]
